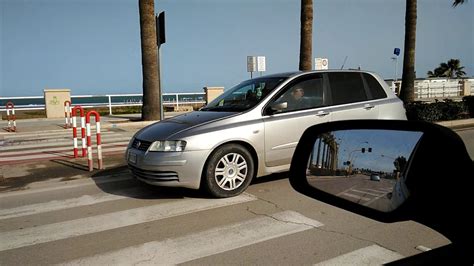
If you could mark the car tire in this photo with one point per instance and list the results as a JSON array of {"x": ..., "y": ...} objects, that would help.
[{"x": 228, "y": 171}]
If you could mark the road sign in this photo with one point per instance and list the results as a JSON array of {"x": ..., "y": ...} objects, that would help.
[
  {"x": 251, "y": 63},
  {"x": 396, "y": 51},
  {"x": 321, "y": 63},
  {"x": 261, "y": 66},
  {"x": 160, "y": 28}
]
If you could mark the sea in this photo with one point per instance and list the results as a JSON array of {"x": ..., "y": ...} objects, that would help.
[{"x": 170, "y": 98}]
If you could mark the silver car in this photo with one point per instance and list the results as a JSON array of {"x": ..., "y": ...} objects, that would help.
[{"x": 252, "y": 129}]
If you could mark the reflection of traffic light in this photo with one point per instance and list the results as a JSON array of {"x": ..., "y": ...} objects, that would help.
[
  {"x": 363, "y": 150},
  {"x": 370, "y": 149}
]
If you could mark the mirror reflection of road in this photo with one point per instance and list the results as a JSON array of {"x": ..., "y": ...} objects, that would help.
[
  {"x": 467, "y": 135},
  {"x": 356, "y": 188}
]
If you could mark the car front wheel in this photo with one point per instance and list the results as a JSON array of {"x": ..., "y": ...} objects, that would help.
[{"x": 229, "y": 171}]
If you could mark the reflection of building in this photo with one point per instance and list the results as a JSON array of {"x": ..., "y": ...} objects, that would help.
[{"x": 324, "y": 158}]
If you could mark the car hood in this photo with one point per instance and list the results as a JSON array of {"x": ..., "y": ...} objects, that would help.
[{"x": 164, "y": 129}]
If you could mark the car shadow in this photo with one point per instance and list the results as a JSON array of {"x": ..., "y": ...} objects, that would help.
[
  {"x": 270, "y": 178},
  {"x": 120, "y": 181}
]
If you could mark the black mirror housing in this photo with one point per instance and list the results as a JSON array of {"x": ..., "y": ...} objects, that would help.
[{"x": 439, "y": 177}]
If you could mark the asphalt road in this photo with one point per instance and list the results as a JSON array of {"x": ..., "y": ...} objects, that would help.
[
  {"x": 111, "y": 218},
  {"x": 50, "y": 215},
  {"x": 467, "y": 135}
]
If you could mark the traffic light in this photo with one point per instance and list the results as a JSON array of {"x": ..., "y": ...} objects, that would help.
[
  {"x": 363, "y": 150},
  {"x": 370, "y": 149}
]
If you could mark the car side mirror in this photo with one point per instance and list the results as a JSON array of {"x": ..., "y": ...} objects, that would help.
[
  {"x": 279, "y": 106},
  {"x": 423, "y": 168}
]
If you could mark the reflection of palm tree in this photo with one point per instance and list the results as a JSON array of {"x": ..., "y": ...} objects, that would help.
[
  {"x": 400, "y": 163},
  {"x": 326, "y": 152}
]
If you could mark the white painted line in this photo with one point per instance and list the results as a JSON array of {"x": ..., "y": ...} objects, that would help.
[
  {"x": 423, "y": 248},
  {"x": 371, "y": 255},
  {"x": 368, "y": 193},
  {"x": 381, "y": 190},
  {"x": 57, "y": 205},
  {"x": 44, "y": 135},
  {"x": 67, "y": 149},
  {"x": 206, "y": 243},
  {"x": 63, "y": 230},
  {"x": 70, "y": 184},
  {"x": 64, "y": 143},
  {"x": 57, "y": 154},
  {"x": 355, "y": 196}
]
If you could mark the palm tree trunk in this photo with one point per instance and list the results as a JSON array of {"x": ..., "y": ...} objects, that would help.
[
  {"x": 151, "y": 90},
  {"x": 306, "y": 37},
  {"x": 407, "y": 92}
]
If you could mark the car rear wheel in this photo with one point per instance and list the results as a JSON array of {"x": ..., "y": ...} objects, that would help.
[{"x": 229, "y": 171}]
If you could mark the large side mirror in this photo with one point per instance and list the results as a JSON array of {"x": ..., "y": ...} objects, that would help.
[
  {"x": 339, "y": 164},
  {"x": 415, "y": 171}
]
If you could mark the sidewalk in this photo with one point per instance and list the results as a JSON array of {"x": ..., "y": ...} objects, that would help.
[
  {"x": 133, "y": 120},
  {"x": 48, "y": 124}
]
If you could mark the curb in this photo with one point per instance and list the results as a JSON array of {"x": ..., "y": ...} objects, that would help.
[
  {"x": 461, "y": 123},
  {"x": 128, "y": 124}
]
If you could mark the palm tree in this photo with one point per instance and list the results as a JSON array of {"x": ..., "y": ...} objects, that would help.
[
  {"x": 407, "y": 91},
  {"x": 306, "y": 35},
  {"x": 458, "y": 2},
  {"x": 451, "y": 69},
  {"x": 151, "y": 91}
]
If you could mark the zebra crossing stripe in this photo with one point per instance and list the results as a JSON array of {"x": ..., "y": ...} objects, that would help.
[
  {"x": 57, "y": 205},
  {"x": 63, "y": 230},
  {"x": 70, "y": 185},
  {"x": 371, "y": 255},
  {"x": 64, "y": 143},
  {"x": 206, "y": 243}
]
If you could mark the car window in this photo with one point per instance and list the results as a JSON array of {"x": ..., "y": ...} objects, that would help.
[
  {"x": 304, "y": 94},
  {"x": 244, "y": 96},
  {"x": 374, "y": 87},
  {"x": 346, "y": 87}
]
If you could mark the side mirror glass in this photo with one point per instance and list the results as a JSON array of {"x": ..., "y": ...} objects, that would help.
[
  {"x": 364, "y": 166},
  {"x": 279, "y": 106}
]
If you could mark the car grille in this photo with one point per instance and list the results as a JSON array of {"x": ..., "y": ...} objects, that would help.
[
  {"x": 154, "y": 175},
  {"x": 141, "y": 144}
]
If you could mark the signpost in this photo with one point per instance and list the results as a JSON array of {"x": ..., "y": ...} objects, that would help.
[
  {"x": 256, "y": 63},
  {"x": 396, "y": 52},
  {"x": 160, "y": 39},
  {"x": 251, "y": 64}
]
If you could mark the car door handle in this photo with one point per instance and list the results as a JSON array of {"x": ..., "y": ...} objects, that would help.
[
  {"x": 322, "y": 113},
  {"x": 368, "y": 106}
]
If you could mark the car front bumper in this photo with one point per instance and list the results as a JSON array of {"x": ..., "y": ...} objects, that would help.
[{"x": 172, "y": 169}]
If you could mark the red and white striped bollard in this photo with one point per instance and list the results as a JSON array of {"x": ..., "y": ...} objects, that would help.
[
  {"x": 83, "y": 130},
  {"x": 89, "y": 142},
  {"x": 11, "y": 117},
  {"x": 67, "y": 113}
]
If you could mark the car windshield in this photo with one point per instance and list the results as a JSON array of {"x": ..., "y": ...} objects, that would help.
[{"x": 244, "y": 96}]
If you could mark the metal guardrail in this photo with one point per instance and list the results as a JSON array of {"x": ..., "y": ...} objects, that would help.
[{"x": 121, "y": 100}]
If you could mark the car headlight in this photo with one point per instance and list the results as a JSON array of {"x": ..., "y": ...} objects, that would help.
[{"x": 168, "y": 145}]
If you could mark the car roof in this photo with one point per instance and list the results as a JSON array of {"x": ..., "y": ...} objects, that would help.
[{"x": 301, "y": 73}]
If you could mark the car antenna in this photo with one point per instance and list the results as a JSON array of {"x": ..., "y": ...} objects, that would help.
[{"x": 345, "y": 59}]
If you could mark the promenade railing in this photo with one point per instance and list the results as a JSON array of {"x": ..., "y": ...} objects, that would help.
[{"x": 109, "y": 100}]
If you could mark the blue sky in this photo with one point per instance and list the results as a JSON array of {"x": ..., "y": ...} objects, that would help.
[
  {"x": 383, "y": 152},
  {"x": 93, "y": 46}
]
